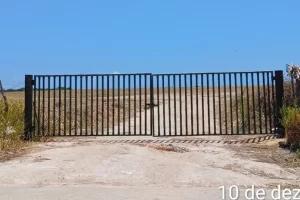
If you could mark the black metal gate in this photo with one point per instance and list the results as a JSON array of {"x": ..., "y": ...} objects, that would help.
[{"x": 185, "y": 104}]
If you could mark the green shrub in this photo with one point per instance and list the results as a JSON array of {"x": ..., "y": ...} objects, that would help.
[
  {"x": 11, "y": 124},
  {"x": 291, "y": 123}
]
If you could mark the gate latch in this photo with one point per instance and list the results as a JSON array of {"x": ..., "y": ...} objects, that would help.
[{"x": 149, "y": 105}]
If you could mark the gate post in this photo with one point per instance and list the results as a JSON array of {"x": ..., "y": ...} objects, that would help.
[
  {"x": 279, "y": 129},
  {"x": 28, "y": 107}
]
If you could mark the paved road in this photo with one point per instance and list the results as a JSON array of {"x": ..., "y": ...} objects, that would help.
[{"x": 109, "y": 193}]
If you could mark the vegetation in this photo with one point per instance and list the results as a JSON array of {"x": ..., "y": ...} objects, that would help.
[
  {"x": 11, "y": 125},
  {"x": 291, "y": 112},
  {"x": 291, "y": 123},
  {"x": 23, "y": 89},
  {"x": 15, "y": 90}
]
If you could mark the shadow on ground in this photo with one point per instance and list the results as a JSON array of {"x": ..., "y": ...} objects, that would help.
[{"x": 254, "y": 140}]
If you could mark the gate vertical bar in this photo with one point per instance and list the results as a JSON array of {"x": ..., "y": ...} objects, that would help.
[
  {"x": 35, "y": 121},
  {"x": 180, "y": 105},
  {"x": 108, "y": 105},
  {"x": 140, "y": 104},
  {"x": 92, "y": 104},
  {"x": 76, "y": 106},
  {"x": 134, "y": 102},
  {"x": 86, "y": 104},
  {"x": 243, "y": 102},
  {"x": 214, "y": 103},
  {"x": 259, "y": 103},
  {"x": 38, "y": 106},
  {"x": 197, "y": 103},
  {"x": 152, "y": 106},
  {"x": 129, "y": 101},
  {"x": 164, "y": 106},
  {"x": 158, "y": 110},
  {"x": 269, "y": 103},
  {"x": 119, "y": 104},
  {"x": 113, "y": 105},
  {"x": 70, "y": 106},
  {"x": 169, "y": 106},
  {"x": 253, "y": 102},
  {"x": 192, "y": 113},
  {"x": 265, "y": 103},
  {"x": 28, "y": 107},
  {"x": 70, "y": 131},
  {"x": 231, "y": 106},
  {"x": 248, "y": 103},
  {"x": 175, "y": 108},
  {"x": 97, "y": 105},
  {"x": 54, "y": 98},
  {"x": 43, "y": 122},
  {"x": 202, "y": 108},
  {"x": 225, "y": 103},
  {"x": 279, "y": 100},
  {"x": 219, "y": 99},
  {"x": 185, "y": 107},
  {"x": 65, "y": 105},
  {"x": 59, "y": 103},
  {"x": 236, "y": 103},
  {"x": 146, "y": 102}
]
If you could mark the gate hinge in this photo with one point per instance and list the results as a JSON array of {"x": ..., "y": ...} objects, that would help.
[
  {"x": 273, "y": 78},
  {"x": 32, "y": 82}
]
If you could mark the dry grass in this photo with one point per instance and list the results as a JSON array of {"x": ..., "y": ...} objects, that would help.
[
  {"x": 66, "y": 117},
  {"x": 110, "y": 108},
  {"x": 291, "y": 123},
  {"x": 242, "y": 109},
  {"x": 12, "y": 153},
  {"x": 267, "y": 152},
  {"x": 11, "y": 124},
  {"x": 11, "y": 129},
  {"x": 252, "y": 110}
]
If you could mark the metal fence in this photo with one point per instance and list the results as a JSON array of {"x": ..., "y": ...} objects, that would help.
[{"x": 185, "y": 104}]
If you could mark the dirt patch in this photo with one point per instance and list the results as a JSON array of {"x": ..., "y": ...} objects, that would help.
[
  {"x": 267, "y": 152},
  {"x": 15, "y": 153},
  {"x": 140, "y": 164},
  {"x": 166, "y": 147}
]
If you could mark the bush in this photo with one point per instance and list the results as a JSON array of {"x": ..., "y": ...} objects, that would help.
[
  {"x": 291, "y": 123},
  {"x": 11, "y": 124}
]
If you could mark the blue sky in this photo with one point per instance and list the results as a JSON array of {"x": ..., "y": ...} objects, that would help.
[{"x": 158, "y": 36}]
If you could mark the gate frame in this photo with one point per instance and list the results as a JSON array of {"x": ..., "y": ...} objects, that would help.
[
  {"x": 279, "y": 93},
  {"x": 28, "y": 107}
]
